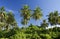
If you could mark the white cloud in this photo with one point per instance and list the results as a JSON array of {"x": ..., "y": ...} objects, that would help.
[
  {"x": 10, "y": 10},
  {"x": 53, "y": 26}
]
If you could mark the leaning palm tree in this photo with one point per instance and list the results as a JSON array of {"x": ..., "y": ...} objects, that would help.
[
  {"x": 37, "y": 14},
  {"x": 26, "y": 14}
]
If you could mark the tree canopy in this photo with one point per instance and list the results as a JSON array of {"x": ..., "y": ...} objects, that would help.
[{"x": 9, "y": 28}]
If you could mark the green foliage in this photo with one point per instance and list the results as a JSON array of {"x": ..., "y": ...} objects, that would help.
[
  {"x": 7, "y": 19},
  {"x": 10, "y": 18},
  {"x": 44, "y": 24},
  {"x": 4, "y": 38},
  {"x": 10, "y": 30},
  {"x": 45, "y": 36},
  {"x": 26, "y": 14},
  {"x": 31, "y": 32},
  {"x": 20, "y": 35},
  {"x": 53, "y": 18},
  {"x": 37, "y": 13}
]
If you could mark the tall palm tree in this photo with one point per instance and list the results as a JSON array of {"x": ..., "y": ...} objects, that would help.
[
  {"x": 53, "y": 18},
  {"x": 37, "y": 13},
  {"x": 56, "y": 16},
  {"x": 26, "y": 14}
]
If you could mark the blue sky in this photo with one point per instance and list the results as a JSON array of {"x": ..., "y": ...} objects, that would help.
[{"x": 15, "y": 5}]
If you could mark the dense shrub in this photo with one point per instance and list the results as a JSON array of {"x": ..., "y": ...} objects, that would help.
[{"x": 31, "y": 32}]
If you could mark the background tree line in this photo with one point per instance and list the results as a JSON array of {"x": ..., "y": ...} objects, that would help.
[{"x": 10, "y": 30}]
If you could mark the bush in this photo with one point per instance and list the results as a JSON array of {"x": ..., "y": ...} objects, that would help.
[
  {"x": 45, "y": 36},
  {"x": 20, "y": 35},
  {"x": 4, "y": 38}
]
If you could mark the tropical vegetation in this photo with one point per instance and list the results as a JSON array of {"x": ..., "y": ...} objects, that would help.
[{"x": 10, "y": 30}]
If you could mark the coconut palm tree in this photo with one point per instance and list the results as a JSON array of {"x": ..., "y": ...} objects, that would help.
[
  {"x": 56, "y": 16},
  {"x": 26, "y": 14},
  {"x": 37, "y": 14},
  {"x": 53, "y": 18}
]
